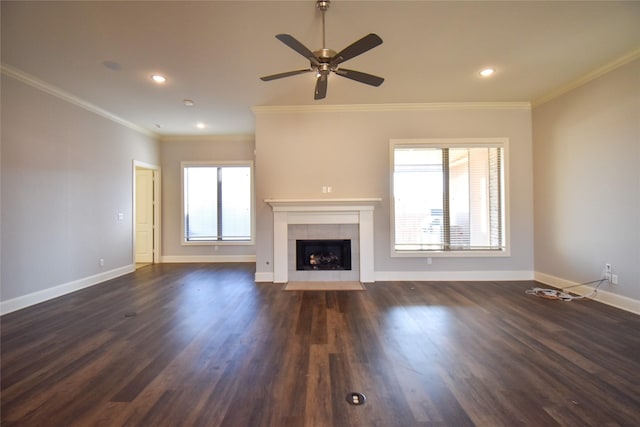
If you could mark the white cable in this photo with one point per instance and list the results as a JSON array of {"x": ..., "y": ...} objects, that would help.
[{"x": 559, "y": 294}]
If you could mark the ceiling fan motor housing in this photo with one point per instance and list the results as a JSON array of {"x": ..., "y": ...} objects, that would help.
[{"x": 325, "y": 55}]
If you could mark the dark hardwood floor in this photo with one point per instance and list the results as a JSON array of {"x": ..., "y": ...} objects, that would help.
[{"x": 203, "y": 345}]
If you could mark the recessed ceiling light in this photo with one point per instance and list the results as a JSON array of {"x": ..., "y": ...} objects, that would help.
[
  {"x": 158, "y": 78},
  {"x": 112, "y": 65},
  {"x": 201, "y": 126},
  {"x": 188, "y": 103},
  {"x": 487, "y": 72}
]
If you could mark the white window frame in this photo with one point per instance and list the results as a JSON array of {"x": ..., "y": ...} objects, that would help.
[
  {"x": 183, "y": 241},
  {"x": 453, "y": 143}
]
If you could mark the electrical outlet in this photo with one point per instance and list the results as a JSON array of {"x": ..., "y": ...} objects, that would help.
[
  {"x": 614, "y": 279},
  {"x": 607, "y": 272},
  {"x": 101, "y": 262}
]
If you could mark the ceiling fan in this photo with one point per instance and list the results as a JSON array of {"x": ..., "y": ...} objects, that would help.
[{"x": 325, "y": 61}]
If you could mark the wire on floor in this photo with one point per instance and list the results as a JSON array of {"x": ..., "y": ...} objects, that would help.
[{"x": 560, "y": 294}]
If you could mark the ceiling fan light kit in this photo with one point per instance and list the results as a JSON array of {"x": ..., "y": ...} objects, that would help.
[{"x": 325, "y": 61}]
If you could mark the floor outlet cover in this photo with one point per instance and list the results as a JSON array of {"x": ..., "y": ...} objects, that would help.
[{"x": 356, "y": 398}]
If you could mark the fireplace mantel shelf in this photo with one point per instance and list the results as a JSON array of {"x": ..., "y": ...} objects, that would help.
[{"x": 292, "y": 203}]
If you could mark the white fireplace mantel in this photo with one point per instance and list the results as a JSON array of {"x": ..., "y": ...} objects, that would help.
[{"x": 322, "y": 211}]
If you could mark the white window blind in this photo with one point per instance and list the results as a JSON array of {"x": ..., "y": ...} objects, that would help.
[{"x": 448, "y": 197}]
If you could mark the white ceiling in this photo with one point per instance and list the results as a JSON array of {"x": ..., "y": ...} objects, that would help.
[{"x": 214, "y": 52}]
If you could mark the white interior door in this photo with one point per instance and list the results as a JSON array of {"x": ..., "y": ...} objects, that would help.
[{"x": 144, "y": 215}]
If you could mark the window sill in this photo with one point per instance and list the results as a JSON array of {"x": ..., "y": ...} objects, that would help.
[
  {"x": 219, "y": 243},
  {"x": 451, "y": 254}
]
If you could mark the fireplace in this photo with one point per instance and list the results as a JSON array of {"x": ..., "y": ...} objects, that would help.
[
  {"x": 322, "y": 212},
  {"x": 325, "y": 254}
]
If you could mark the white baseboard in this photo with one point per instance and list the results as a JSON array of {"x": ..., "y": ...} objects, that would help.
[
  {"x": 427, "y": 276},
  {"x": 25, "y": 301},
  {"x": 264, "y": 276},
  {"x": 606, "y": 297},
  {"x": 207, "y": 258}
]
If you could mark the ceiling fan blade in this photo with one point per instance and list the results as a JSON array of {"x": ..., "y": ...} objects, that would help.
[
  {"x": 286, "y": 74},
  {"x": 294, "y": 44},
  {"x": 357, "y": 48},
  {"x": 361, "y": 77},
  {"x": 321, "y": 86}
]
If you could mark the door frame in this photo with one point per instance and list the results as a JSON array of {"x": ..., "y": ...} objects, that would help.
[{"x": 156, "y": 209}]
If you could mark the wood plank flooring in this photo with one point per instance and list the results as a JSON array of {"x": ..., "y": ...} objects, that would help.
[{"x": 203, "y": 345}]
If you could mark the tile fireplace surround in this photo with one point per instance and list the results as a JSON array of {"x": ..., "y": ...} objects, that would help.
[{"x": 322, "y": 211}]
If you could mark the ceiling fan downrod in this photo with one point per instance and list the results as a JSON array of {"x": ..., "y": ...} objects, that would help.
[
  {"x": 324, "y": 54},
  {"x": 323, "y": 5}
]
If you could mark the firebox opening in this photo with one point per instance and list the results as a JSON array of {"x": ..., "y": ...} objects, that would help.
[{"x": 323, "y": 254}]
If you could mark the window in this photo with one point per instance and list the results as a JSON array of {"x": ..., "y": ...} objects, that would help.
[
  {"x": 217, "y": 202},
  {"x": 448, "y": 197}
]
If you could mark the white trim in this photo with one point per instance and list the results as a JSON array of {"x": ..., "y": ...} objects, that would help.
[
  {"x": 157, "y": 212},
  {"x": 497, "y": 141},
  {"x": 264, "y": 276},
  {"x": 417, "y": 253},
  {"x": 435, "y": 106},
  {"x": 430, "y": 276},
  {"x": 606, "y": 297},
  {"x": 207, "y": 258},
  {"x": 219, "y": 243},
  {"x": 145, "y": 165},
  {"x": 28, "y": 300},
  {"x": 501, "y": 142},
  {"x": 598, "y": 72},
  {"x": 72, "y": 99},
  {"x": 300, "y": 205},
  {"x": 213, "y": 163},
  {"x": 322, "y": 211},
  {"x": 157, "y": 209},
  {"x": 208, "y": 138}
]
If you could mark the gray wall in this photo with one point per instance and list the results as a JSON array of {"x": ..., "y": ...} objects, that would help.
[
  {"x": 298, "y": 152},
  {"x": 178, "y": 149},
  {"x": 587, "y": 182},
  {"x": 66, "y": 174}
]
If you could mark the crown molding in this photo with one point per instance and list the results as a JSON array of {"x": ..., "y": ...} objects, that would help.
[
  {"x": 208, "y": 138},
  {"x": 72, "y": 99},
  {"x": 436, "y": 106},
  {"x": 598, "y": 72}
]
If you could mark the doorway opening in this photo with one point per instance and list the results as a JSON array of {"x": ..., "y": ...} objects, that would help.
[{"x": 146, "y": 214}]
